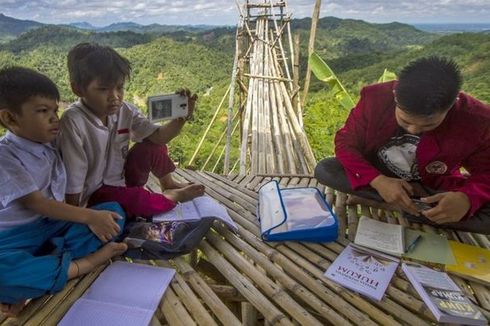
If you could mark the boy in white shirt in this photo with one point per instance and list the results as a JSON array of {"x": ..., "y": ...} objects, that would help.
[
  {"x": 95, "y": 135},
  {"x": 43, "y": 241}
]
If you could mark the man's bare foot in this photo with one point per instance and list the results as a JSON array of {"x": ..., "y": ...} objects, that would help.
[
  {"x": 184, "y": 194},
  {"x": 12, "y": 310},
  {"x": 89, "y": 263}
]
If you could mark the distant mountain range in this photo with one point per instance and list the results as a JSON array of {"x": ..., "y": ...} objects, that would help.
[
  {"x": 454, "y": 28},
  {"x": 138, "y": 28},
  {"x": 11, "y": 27}
]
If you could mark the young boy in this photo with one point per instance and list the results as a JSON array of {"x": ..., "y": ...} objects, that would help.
[
  {"x": 95, "y": 135},
  {"x": 43, "y": 241},
  {"x": 409, "y": 138}
]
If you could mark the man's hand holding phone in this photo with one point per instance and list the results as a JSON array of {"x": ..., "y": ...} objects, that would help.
[
  {"x": 395, "y": 191},
  {"x": 449, "y": 207}
]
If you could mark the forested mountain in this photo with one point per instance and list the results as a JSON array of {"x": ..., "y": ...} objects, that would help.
[
  {"x": 10, "y": 27},
  {"x": 202, "y": 60},
  {"x": 63, "y": 37}
]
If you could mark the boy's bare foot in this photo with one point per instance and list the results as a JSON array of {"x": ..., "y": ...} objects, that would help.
[
  {"x": 90, "y": 262},
  {"x": 12, "y": 310},
  {"x": 168, "y": 182},
  {"x": 186, "y": 193}
]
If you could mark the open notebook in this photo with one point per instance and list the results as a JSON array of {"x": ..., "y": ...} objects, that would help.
[
  {"x": 123, "y": 294},
  {"x": 400, "y": 241},
  {"x": 196, "y": 209}
]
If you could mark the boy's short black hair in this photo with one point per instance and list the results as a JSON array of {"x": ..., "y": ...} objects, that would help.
[
  {"x": 18, "y": 84},
  {"x": 428, "y": 85},
  {"x": 91, "y": 61}
]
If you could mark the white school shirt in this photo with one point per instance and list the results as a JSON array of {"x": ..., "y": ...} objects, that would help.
[
  {"x": 95, "y": 154},
  {"x": 27, "y": 167}
]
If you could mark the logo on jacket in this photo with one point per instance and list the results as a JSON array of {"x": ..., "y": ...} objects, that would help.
[{"x": 436, "y": 167}]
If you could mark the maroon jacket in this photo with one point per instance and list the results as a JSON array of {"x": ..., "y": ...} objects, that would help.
[{"x": 462, "y": 140}]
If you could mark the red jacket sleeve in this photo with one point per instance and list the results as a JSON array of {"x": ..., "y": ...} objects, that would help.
[
  {"x": 349, "y": 142},
  {"x": 477, "y": 186}
]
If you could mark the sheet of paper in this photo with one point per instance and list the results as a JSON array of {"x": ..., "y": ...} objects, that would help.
[
  {"x": 88, "y": 312},
  {"x": 380, "y": 236},
  {"x": 432, "y": 248},
  {"x": 434, "y": 279},
  {"x": 133, "y": 285}
]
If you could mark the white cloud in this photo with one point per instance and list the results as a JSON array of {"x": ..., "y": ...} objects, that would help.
[{"x": 225, "y": 12}]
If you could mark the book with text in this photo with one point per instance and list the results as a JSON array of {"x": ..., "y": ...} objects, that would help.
[
  {"x": 364, "y": 271},
  {"x": 443, "y": 297}
]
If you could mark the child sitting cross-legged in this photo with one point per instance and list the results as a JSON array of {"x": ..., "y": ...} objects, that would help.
[
  {"x": 95, "y": 135},
  {"x": 43, "y": 241}
]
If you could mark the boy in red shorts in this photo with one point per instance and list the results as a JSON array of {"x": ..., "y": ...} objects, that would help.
[{"x": 95, "y": 135}]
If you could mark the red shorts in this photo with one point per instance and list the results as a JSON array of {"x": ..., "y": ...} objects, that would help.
[{"x": 143, "y": 158}]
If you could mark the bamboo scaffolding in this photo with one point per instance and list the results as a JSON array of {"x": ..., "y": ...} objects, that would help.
[{"x": 272, "y": 137}]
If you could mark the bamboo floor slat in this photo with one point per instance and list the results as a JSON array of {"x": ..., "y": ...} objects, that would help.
[{"x": 239, "y": 279}]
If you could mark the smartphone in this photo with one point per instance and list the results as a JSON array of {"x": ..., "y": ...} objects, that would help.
[
  {"x": 421, "y": 206},
  {"x": 167, "y": 107}
]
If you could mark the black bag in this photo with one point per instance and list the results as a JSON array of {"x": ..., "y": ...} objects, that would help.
[{"x": 164, "y": 240}]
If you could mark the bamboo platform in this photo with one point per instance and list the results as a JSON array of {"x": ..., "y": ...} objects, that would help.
[{"x": 238, "y": 279}]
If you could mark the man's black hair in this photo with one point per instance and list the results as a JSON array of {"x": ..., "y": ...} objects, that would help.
[
  {"x": 428, "y": 85},
  {"x": 90, "y": 61},
  {"x": 18, "y": 84}
]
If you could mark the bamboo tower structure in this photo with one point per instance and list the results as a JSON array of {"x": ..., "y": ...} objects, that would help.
[
  {"x": 272, "y": 137},
  {"x": 268, "y": 112}
]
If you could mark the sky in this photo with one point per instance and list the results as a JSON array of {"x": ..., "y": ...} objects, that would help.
[{"x": 225, "y": 12}]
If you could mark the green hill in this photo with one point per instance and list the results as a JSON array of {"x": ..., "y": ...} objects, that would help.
[
  {"x": 64, "y": 37},
  {"x": 10, "y": 27}
]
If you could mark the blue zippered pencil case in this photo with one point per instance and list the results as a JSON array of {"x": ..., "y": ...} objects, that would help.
[{"x": 299, "y": 214}]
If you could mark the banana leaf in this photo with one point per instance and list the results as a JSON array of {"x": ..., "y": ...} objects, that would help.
[
  {"x": 387, "y": 76},
  {"x": 323, "y": 72}
]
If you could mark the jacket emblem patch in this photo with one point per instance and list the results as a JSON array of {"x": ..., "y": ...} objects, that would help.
[{"x": 436, "y": 167}]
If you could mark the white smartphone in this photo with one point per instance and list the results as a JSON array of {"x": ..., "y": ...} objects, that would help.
[{"x": 167, "y": 107}]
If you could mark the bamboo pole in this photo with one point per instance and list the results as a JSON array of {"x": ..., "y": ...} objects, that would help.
[
  {"x": 270, "y": 288},
  {"x": 245, "y": 286},
  {"x": 223, "y": 150},
  {"x": 208, "y": 127},
  {"x": 232, "y": 98},
  {"x": 283, "y": 55},
  {"x": 296, "y": 94},
  {"x": 190, "y": 301},
  {"x": 215, "y": 146},
  {"x": 206, "y": 293},
  {"x": 311, "y": 47},
  {"x": 174, "y": 311}
]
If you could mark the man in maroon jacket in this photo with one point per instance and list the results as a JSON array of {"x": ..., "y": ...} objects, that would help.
[{"x": 409, "y": 139}]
